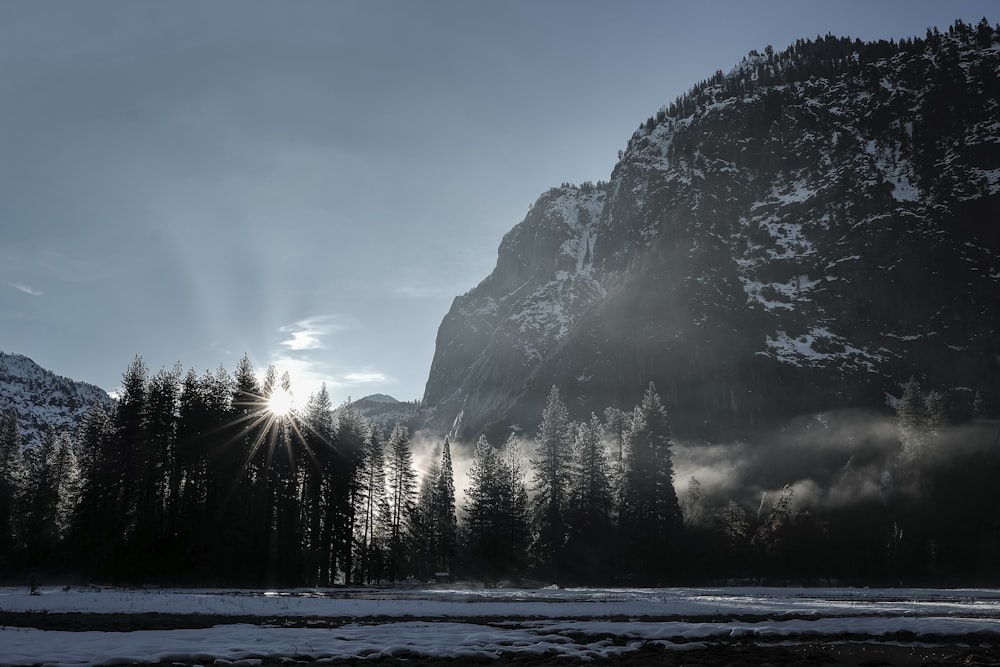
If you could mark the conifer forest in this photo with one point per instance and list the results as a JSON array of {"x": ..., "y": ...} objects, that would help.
[{"x": 206, "y": 479}]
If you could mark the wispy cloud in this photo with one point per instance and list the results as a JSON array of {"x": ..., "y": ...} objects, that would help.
[
  {"x": 308, "y": 333},
  {"x": 364, "y": 377},
  {"x": 27, "y": 289}
]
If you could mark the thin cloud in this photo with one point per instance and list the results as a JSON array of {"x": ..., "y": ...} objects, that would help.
[
  {"x": 365, "y": 377},
  {"x": 27, "y": 289},
  {"x": 308, "y": 333}
]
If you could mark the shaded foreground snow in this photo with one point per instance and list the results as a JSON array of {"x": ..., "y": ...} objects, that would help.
[{"x": 577, "y": 622}]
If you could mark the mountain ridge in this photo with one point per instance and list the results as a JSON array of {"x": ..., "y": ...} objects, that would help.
[
  {"x": 788, "y": 237},
  {"x": 42, "y": 398}
]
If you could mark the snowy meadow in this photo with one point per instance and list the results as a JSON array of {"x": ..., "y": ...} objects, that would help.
[{"x": 250, "y": 626}]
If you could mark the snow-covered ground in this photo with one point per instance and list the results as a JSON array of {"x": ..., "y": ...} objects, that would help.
[{"x": 440, "y": 622}]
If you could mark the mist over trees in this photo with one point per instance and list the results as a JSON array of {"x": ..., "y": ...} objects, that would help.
[{"x": 194, "y": 479}]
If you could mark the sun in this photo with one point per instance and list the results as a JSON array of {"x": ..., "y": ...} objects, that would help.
[{"x": 280, "y": 403}]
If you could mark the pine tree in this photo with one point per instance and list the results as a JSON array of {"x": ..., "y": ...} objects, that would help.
[
  {"x": 733, "y": 524},
  {"x": 551, "y": 465},
  {"x": 616, "y": 426},
  {"x": 484, "y": 513},
  {"x": 345, "y": 482},
  {"x": 515, "y": 509},
  {"x": 371, "y": 510},
  {"x": 319, "y": 440},
  {"x": 401, "y": 480},
  {"x": 67, "y": 480},
  {"x": 248, "y": 418},
  {"x": 435, "y": 530},
  {"x": 93, "y": 531},
  {"x": 129, "y": 461},
  {"x": 773, "y": 533},
  {"x": 285, "y": 467},
  {"x": 243, "y": 549},
  {"x": 195, "y": 426},
  {"x": 425, "y": 538},
  {"x": 693, "y": 508},
  {"x": 154, "y": 527},
  {"x": 590, "y": 505},
  {"x": 651, "y": 517},
  {"x": 445, "y": 521},
  {"x": 13, "y": 486},
  {"x": 53, "y": 485}
]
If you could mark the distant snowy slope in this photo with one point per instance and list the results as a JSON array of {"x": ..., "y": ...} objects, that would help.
[
  {"x": 42, "y": 398},
  {"x": 385, "y": 410}
]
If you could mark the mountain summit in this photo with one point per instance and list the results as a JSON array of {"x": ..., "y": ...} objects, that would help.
[{"x": 803, "y": 233}]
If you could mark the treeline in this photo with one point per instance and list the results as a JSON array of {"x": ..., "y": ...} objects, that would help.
[
  {"x": 204, "y": 480},
  {"x": 827, "y": 57}
]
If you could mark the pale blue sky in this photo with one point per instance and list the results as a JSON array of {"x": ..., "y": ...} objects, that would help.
[{"x": 314, "y": 182}]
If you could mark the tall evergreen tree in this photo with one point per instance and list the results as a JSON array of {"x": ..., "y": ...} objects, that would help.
[
  {"x": 590, "y": 506},
  {"x": 371, "y": 510},
  {"x": 651, "y": 516},
  {"x": 284, "y": 474},
  {"x": 551, "y": 464},
  {"x": 692, "y": 506},
  {"x": 129, "y": 461},
  {"x": 402, "y": 482},
  {"x": 425, "y": 538},
  {"x": 94, "y": 529},
  {"x": 243, "y": 532},
  {"x": 319, "y": 440},
  {"x": 435, "y": 528},
  {"x": 616, "y": 427},
  {"x": 154, "y": 531},
  {"x": 345, "y": 483},
  {"x": 195, "y": 425},
  {"x": 13, "y": 486},
  {"x": 496, "y": 512},
  {"x": 445, "y": 522},
  {"x": 774, "y": 531},
  {"x": 516, "y": 528},
  {"x": 68, "y": 483},
  {"x": 484, "y": 518},
  {"x": 53, "y": 485}
]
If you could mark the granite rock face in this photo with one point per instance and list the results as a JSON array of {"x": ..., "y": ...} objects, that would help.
[{"x": 803, "y": 233}]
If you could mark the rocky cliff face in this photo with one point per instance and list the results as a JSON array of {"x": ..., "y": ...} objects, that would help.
[
  {"x": 42, "y": 399},
  {"x": 805, "y": 232}
]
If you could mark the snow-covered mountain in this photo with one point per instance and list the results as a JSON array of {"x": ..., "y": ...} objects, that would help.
[
  {"x": 385, "y": 410},
  {"x": 802, "y": 233},
  {"x": 42, "y": 398}
]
